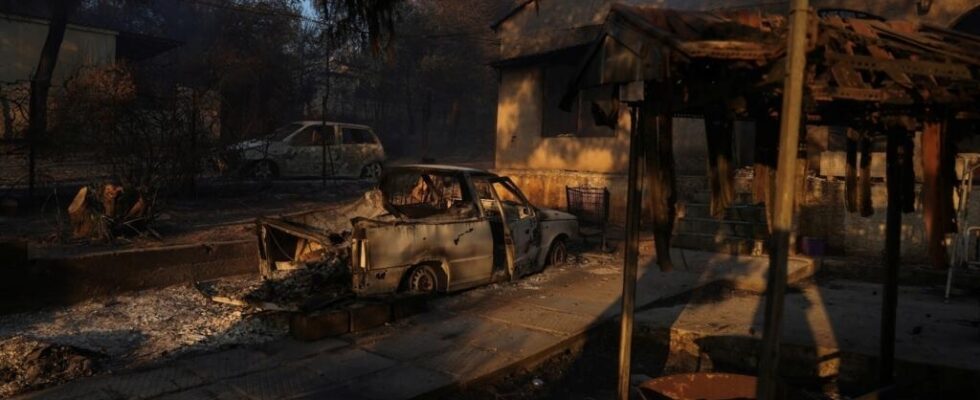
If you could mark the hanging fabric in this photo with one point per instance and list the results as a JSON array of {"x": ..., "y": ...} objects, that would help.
[
  {"x": 864, "y": 181},
  {"x": 850, "y": 171},
  {"x": 656, "y": 123},
  {"x": 937, "y": 189},
  {"x": 718, "y": 128}
]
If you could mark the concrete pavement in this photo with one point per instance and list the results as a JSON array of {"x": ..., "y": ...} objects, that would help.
[
  {"x": 830, "y": 333},
  {"x": 466, "y": 338}
]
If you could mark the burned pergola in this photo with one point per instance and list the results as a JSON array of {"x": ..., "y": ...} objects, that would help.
[{"x": 878, "y": 78}]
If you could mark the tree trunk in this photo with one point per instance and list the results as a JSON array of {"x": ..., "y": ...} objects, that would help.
[{"x": 41, "y": 82}]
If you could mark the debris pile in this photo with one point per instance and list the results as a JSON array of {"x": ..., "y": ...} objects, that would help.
[
  {"x": 27, "y": 364},
  {"x": 324, "y": 281}
]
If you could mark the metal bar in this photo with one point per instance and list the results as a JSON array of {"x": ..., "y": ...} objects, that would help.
[
  {"x": 784, "y": 198},
  {"x": 632, "y": 251},
  {"x": 893, "y": 238}
]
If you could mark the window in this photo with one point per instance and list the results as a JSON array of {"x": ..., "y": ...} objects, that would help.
[
  {"x": 357, "y": 136},
  {"x": 422, "y": 195},
  {"x": 313, "y": 136},
  {"x": 514, "y": 204},
  {"x": 284, "y": 132},
  {"x": 554, "y": 120},
  {"x": 580, "y": 121}
]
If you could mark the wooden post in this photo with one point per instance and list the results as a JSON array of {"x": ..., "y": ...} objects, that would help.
[
  {"x": 784, "y": 198},
  {"x": 632, "y": 251},
  {"x": 893, "y": 241}
]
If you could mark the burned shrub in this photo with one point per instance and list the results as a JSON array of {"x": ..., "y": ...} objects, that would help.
[{"x": 153, "y": 146}]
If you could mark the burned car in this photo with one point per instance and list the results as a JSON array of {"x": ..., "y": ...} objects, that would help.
[
  {"x": 435, "y": 229},
  {"x": 310, "y": 148}
]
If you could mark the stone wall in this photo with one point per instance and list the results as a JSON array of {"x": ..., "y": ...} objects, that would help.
[{"x": 822, "y": 214}]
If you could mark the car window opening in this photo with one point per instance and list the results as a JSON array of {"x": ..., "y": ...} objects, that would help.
[{"x": 426, "y": 195}]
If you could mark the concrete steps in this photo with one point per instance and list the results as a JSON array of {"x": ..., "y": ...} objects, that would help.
[{"x": 741, "y": 230}]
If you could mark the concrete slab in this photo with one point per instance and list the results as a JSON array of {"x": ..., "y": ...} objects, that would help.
[
  {"x": 514, "y": 341},
  {"x": 278, "y": 383},
  {"x": 529, "y": 316},
  {"x": 467, "y": 363},
  {"x": 346, "y": 364},
  {"x": 227, "y": 364},
  {"x": 290, "y": 350},
  {"x": 405, "y": 381},
  {"x": 411, "y": 345},
  {"x": 154, "y": 382},
  {"x": 214, "y": 391},
  {"x": 90, "y": 389}
]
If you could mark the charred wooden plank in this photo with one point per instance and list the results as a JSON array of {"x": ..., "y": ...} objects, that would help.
[{"x": 928, "y": 68}]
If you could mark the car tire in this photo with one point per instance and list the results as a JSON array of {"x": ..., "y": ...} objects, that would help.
[
  {"x": 558, "y": 253},
  {"x": 422, "y": 280},
  {"x": 372, "y": 170},
  {"x": 263, "y": 170}
]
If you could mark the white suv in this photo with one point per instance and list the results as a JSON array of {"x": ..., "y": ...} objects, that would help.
[{"x": 308, "y": 148}]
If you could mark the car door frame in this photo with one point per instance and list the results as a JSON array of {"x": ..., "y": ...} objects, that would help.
[
  {"x": 307, "y": 160},
  {"x": 354, "y": 156},
  {"x": 518, "y": 263}
]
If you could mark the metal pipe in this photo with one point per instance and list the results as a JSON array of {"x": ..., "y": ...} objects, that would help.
[
  {"x": 782, "y": 223},
  {"x": 632, "y": 251}
]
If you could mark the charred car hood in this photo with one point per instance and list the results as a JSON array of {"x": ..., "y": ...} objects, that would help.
[{"x": 548, "y": 214}]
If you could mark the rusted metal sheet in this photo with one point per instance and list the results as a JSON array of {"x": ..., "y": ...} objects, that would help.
[
  {"x": 699, "y": 385},
  {"x": 930, "y": 68}
]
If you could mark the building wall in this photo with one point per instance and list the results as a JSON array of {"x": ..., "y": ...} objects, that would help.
[
  {"x": 519, "y": 141},
  {"x": 21, "y": 40},
  {"x": 822, "y": 215}
]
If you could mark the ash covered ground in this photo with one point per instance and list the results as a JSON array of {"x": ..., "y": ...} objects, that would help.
[{"x": 56, "y": 345}]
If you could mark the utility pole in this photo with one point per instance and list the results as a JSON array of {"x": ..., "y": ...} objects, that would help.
[{"x": 783, "y": 208}]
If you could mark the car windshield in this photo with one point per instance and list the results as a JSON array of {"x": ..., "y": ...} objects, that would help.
[
  {"x": 421, "y": 194},
  {"x": 283, "y": 132}
]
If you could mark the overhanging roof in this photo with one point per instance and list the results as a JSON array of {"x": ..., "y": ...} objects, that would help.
[
  {"x": 852, "y": 59},
  {"x": 513, "y": 11}
]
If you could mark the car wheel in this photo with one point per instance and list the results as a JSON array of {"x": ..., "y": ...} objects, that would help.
[
  {"x": 372, "y": 170},
  {"x": 558, "y": 254},
  {"x": 264, "y": 170},
  {"x": 422, "y": 279}
]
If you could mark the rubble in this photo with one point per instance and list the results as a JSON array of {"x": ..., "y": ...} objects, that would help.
[
  {"x": 316, "y": 286},
  {"x": 27, "y": 364},
  {"x": 137, "y": 329}
]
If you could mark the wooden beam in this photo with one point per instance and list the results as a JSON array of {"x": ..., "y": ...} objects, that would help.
[
  {"x": 784, "y": 200},
  {"x": 633, "y": 194},
  {"x": 893, "y": 238}
]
